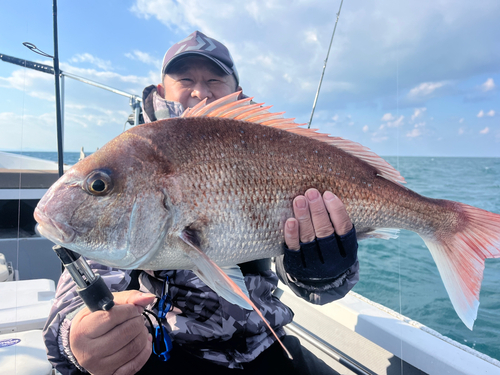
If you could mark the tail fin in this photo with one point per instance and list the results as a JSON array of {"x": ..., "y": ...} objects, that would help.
[{"x": 460, "y": 257}]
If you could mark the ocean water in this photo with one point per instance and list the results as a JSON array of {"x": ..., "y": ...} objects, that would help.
[{"x": 401, "y": 273}]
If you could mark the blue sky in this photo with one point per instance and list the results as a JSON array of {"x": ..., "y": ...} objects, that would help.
[{"x": 414, "y": 78}]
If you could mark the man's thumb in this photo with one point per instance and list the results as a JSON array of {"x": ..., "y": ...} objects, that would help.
[{"x": 134, "y": 297}]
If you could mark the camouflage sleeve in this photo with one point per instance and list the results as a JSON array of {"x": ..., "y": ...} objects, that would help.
[
  {"x": 320, "y": 292},
  {"x": 66, "y": 305}
]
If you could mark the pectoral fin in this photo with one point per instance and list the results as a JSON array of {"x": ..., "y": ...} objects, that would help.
[
  {"x": 228, "y": 283},
  {"x": 212, "y": 275}
]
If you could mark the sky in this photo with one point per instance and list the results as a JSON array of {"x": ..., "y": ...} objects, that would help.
[{"x": 404, "y": 78}]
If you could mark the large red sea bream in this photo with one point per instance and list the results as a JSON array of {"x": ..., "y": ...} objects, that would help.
[{"x": 213, "y": 189}]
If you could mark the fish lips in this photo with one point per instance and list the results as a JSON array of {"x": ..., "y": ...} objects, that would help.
[{"x": 53, "y": 230}]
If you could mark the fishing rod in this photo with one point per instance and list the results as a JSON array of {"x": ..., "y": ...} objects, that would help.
[{"x": 324, "y": 67}]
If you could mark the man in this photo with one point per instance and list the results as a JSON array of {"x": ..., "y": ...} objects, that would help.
[{"x": 208, "y": 333}]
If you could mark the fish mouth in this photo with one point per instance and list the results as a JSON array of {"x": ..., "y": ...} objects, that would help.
[{"x": 53, "y": 230}]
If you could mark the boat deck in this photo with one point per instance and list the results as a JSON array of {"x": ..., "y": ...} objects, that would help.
[{"x": 372, "y": 358}]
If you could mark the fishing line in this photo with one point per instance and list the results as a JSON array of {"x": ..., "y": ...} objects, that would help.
[
  {"x": 20, "y": 171},
  {"x": 20, "y": 188},
  {"x": 19, "y": 207},
  {"x": 399, "y": 237}
]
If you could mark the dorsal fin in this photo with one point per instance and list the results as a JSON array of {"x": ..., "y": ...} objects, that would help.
[
  {"x": 227, "y": 108},
  {"x": 242, "y": 110},
  {"x": 201, "y": 109}
]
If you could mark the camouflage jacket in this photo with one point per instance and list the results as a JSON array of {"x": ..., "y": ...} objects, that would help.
[{"x": 201, "y": 321}]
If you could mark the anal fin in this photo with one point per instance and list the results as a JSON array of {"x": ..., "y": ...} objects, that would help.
[{"x": 382, "y": 233}]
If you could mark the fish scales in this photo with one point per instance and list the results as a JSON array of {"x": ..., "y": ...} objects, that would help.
[
  {"x": 202, "y": 192},
  {"x": 243, "y": 178}
]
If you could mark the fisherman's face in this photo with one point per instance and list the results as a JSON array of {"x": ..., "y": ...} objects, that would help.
[{"x": 193, "y": 79}]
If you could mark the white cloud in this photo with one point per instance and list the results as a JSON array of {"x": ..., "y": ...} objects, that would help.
[
  {"x": 397, "y": 123},
  {"x": 365, "y": 128},
  {"x": 387, "y": 117},
  {"x": 379, "y": 138},
  {"x": 490, "y": 113},
  {"x": 106, "y": 117},
  {"x": 16, "y": 130},
  {"x": 418, "y": 112},
  {"x": 87, "y": 57},
  {"x": 34, "y": 83},
  {"x": 335, "y": 118},
  {"x": 461, "y": 131},
  {"x": 144, "y": 57},
  {"x": 311, "y": 36},
  {"x": 287, "y": 78},
  {"x": 8, "y": 119},
  {"x": 415, "y": 132},
  {"x": 425, "y": 89},
  {"x": 169, "y": 12},
  {"x": 486, "y": 130},
  {"x": 461, "y": 120},
  {"x": 488, "y": 85},
  {"x": 288, "y": 45}
]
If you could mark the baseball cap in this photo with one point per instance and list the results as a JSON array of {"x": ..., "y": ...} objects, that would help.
[{"x": 198, "y": 43}]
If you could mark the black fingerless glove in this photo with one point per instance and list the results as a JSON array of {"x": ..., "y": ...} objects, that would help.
[{"x": 322, "y": 259}]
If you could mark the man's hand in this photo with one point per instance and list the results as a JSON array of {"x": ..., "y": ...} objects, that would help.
[
  {"x": 115, "y": 341},
  {"x": 311, "y": 218},
  {"x": 314, "y": 253}
]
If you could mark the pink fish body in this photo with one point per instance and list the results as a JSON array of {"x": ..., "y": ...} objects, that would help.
[{"x": 214, "y": 188}]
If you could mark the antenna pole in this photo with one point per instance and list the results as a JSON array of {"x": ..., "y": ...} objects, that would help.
[{"x": 324, "y": 67}]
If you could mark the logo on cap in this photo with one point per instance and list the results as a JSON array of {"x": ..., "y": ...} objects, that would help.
[{"x": 189, "y": 45}]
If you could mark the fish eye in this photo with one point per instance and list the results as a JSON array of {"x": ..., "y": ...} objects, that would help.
[{"x": 98, "y": 183}]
